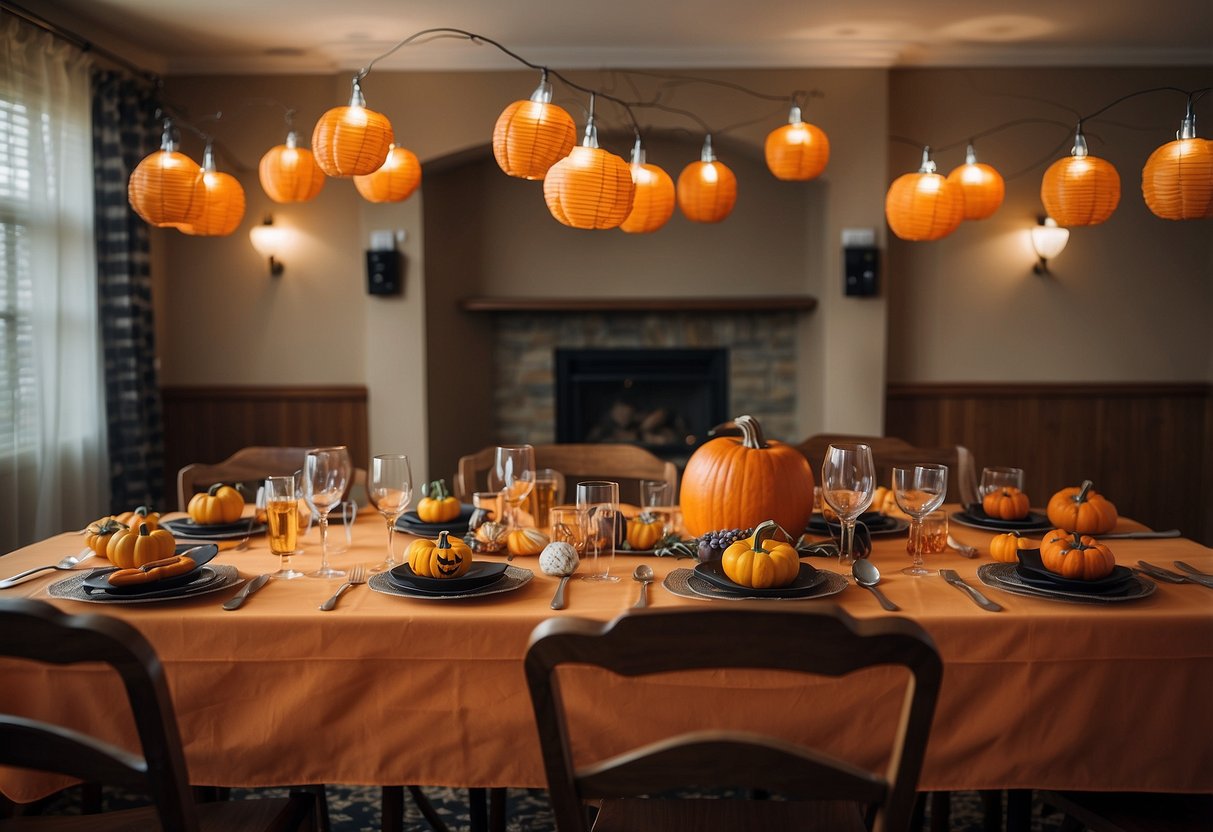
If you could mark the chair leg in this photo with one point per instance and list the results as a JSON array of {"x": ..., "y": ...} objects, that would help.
[
  {"x": 1019, "y": 810},
  {"x": 991, "y": 810},
  {"x": 478, "y": 810},
  {"x": 497, "y": 804},
  {"x": 90, "y": 798},
  {"x": 318, "y": 794},
  {"x": 427, "y": 809},
  {"x": 941, "y": 811},
  {"x": 918, "y": 818}
]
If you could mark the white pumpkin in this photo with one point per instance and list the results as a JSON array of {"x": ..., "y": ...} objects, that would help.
[{"x": 559, "y": 559}]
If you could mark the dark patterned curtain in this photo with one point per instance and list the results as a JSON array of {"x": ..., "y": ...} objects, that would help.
[{"x": 124, "y": 131}]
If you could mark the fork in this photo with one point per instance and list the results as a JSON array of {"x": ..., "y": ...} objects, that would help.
[
  {"x": 357, "y": 576},
  {"x": 67, "y": 563}
]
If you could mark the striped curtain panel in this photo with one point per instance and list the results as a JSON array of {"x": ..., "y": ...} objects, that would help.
[{"x": 125, "y": 129}]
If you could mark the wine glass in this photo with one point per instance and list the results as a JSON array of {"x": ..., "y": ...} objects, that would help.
[
  {"x": 848, "y": 483},
  {"x": 513, "y": 474},
  {"x": 390, "y": 489},
  {"x": 326, "y": 473},
  {"x": 599, "y": 504},
  {"x": 919, "y": 490},
  {"x": 282, "y": 516}
]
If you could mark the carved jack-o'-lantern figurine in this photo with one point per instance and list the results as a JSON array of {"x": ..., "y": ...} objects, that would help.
[{"x": 446, "y": 557}]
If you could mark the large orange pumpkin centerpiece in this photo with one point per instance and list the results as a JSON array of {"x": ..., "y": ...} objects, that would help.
[
  {"x": 1082, "y": 510},
  {"x": 738, "y": 482}
]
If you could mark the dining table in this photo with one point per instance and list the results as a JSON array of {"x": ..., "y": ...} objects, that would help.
[{"x": 392, "y": 690}]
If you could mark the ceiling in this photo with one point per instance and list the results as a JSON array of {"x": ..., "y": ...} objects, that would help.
[{"x": 240, "y": 36}]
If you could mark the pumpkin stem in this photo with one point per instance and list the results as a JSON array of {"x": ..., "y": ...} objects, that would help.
[
  {"x": 437, "y": 490},
  {"x": 764, "y": 531},
  {"x": 143, "y": 510},
  {"x": 1081, "y": 496},
  {"x": 1078, "y": 544},
  {"x": 751, "y": 432},
  {"x": 214, "y": 489},
  {"x": 442, "y": 543},
  {"x": 144, "y": 531}
]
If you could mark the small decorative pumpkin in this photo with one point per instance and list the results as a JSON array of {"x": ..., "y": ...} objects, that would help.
[
  {"x": 437, "y": 505},
  {"x": 100, "y": 532},
  {"x": 446, "y": 557},
  {"x": 131, "y": 548},
  {"x": 1082, "y": 510},
  {"x": 558, "y": 558},
  {"x": 644, "y": 531},
  {"x": 736, "y": 482},
  {"x": 1003, "y": 547},
  {"x": 760, "y": 562},
  {"x": 1006, "y": 503},
  {"x": 142, "y": 516},
  {"x": 218, "y": 504},
  {"x": 526, "y": 541},
  {"x": 490, "y": 536},
  {"x": 1075, "y": 556}
]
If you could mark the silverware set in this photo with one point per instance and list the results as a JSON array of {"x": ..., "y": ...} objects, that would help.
[{"x": 1192, "y": 576}]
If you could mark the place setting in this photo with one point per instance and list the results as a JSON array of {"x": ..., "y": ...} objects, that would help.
[
  {"x": 1068, "y": 567},
  {"x": 1002, "y": 504},
  {"x": 188, "y": 573},
  {"x": 444, "y": 569}
]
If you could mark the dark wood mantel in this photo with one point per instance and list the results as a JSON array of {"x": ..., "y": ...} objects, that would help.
[{"x": 748, "y": 303}]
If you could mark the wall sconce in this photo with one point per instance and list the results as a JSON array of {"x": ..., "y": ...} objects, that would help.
[
  {"x": 1049, "y": 240},
  {"x": 269, "y": 240}
]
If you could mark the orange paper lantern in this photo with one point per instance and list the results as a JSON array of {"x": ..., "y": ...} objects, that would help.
[
  {"x": 1177, "y": 180},
  {"x": 982, "y": 187},
  {"x": 531, "y": 136},
  {"x": 1082, "y": 189},
  {"x": 352, "y": 140},
  {"x": 653, "y": 203},
  {"x": 707, "y": 189},
  {"x": 395, "y": 181},
  {"x": 923, "y": 205},
  {"x": 222, "y": 204},
  {"x": 289, "y": 173},
  {"x": 166, "y": 188},
  {"x": 797, "y": 151},
  {"x": 591, "y": 187}
]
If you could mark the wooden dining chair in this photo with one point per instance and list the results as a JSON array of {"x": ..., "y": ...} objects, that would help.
[
  {"x": 38, "y": 632},
  {"x": 578, "y": 462},
  {"x": 249, "y": 467},
  {"x": 889, "y": 452},
  {"x": 824, "y": 641}
]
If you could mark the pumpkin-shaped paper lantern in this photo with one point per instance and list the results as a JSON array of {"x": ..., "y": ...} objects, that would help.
[
  {"x": 395, "y": 181},
  {"x": 222, "y": 204},
  {"x": 923, "y": 205},
  {"x": 1177, "y": 181},
  {"x": 1081, "y": 189},
  {"x": 653, "y": 203},
  {"x": 591, "y": 187},
  {"x": 982, "y": 186},
  {"x": 166, "y": 188},
  {"x": 707, "y": 189},
  {"x": 531, "y": 136},
  {"x": 797, "y": 151},
  {"x": 351, "y": 140},
  {"x": 289, "y": 173}
]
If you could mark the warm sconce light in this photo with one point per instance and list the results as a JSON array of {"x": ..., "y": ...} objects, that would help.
[
  {"x": 707, "y": 189},
  {"x": 797, "y": 151},
  {"x": 653, "y": 203},
  {"x": 289, "y": 173},
  {"x": 1177, "y": 180},
  {"x": 531, "y": 136},
  {"x": 352, "y": 140},
  {"x": 222, "y": 202},
  {"x": 591, "y": 187},
  {"x": 923, "y": 205},
  {"x": 269, "y": 240},
  {"x": 1048, "y": 240},
  {"x": 982, "y": 186},
  {"x": 166, "y": 188},
  {"x": 1080, "y": 190},
  {"x": 395, "y": 181}
]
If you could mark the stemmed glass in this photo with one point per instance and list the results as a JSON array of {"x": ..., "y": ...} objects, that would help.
[
  {"x": 848, "y": 483},
  {"x": 919, "y": 490},
  {"x": 513, "y": 474},
  {"x": 390, "y": 489},
  {"x": 598, "y": 503},
  {"x": 326, "y": 473},
  {"x": 282, "y": 515}
]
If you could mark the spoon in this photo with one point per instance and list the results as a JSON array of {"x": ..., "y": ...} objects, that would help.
[
  {"x": 558, "y": 598},
  {"x": 68, "y": 562},
  {"x": 643, "y": 574},
  {"x": 867, "y": 576}
]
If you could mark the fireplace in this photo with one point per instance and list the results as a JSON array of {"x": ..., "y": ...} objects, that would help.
[{"x": 664, "y": 400}]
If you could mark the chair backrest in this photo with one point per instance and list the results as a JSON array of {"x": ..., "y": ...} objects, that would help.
[
  {"x": 825, "y": 641},
  {"x": 889, "y": 452},
  {"x": 578, "y": 462},
  {"x": 37, "y": 631},
  {"x": 249, "y": 467}
]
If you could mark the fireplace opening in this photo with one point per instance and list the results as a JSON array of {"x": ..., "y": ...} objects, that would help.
[{"x": 664, "y": 400}]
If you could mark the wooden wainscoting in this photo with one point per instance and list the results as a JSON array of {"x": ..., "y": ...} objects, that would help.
[
  {"x": 1148, "y": 447},
  {"x": 208, "y": 424}
]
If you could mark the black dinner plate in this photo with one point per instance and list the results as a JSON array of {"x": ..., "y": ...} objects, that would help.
[
  {"x": 876, "y": 522},
  {"x": 187, "y": 526},
  {"x": 1034, "y": 522},
  {"x": 805, "y": 584},
  {"x": 411, "y": 523},
  {"x": 1031, "y": 571},
  {"x": 98, "y": 580},
  {"x": 480, "y": 574}
]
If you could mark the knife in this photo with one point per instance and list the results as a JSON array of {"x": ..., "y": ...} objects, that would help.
[
  {"x": 1173, "y": 577},
  {"x": 1191, "y": 570},
  {"x": 980, "y": 600},
  {"x": 240, "y": 597},
  {"x": 1137, "y": 535}
]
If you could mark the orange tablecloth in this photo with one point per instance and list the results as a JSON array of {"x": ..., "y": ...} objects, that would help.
[{"x": 389, "y": 690}]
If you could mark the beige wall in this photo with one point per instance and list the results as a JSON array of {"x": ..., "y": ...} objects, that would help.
[{"x": 1128, "y": 300}]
